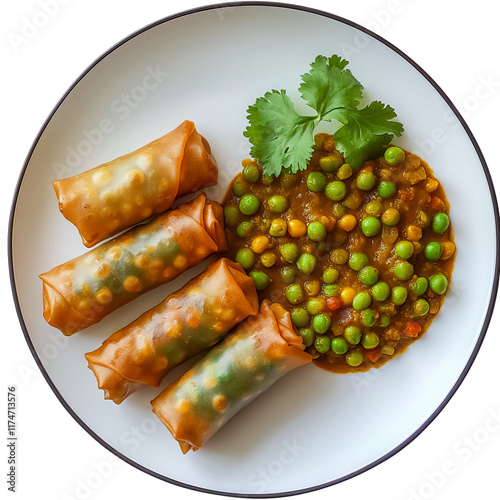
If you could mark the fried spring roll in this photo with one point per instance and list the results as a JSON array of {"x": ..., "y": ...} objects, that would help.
[
  {"x": 116, "y": 195},
  {"x": 248, "y": 361},
  {"x": 84, "y": 290},
  {"x": 189, "y": 321}
]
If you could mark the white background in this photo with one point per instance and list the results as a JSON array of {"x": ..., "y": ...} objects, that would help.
[{"x": 457, "y": 456}]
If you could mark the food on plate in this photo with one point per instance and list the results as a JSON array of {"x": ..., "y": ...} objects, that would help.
[
  {"x": 350, "y": 234},
  {"x": 189, "y": 321},
  {"x": 361, "y": 257},
  {"x": 81, "y": 292},
  {"x": 260, "y": 351},
  {"x": 116, "y": 195}
]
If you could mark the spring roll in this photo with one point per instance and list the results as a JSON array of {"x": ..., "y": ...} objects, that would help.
[
  {"x": 117, "y": 195},
  {"x": 84, "y": 290},
  {"x": 260, "y": 351},
  {"x": 189, "y": 321}
]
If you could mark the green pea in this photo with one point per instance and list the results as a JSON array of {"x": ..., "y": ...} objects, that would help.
[
  {"x": 394, "y": 155},
  {"x": 321, "y": 323},
  {"x": 433, "y": 250},
  {"x": 307, "y": 263},
  {"x": 287, "y": 274},
  {"x": 368, "y": 317},
  {"x": 322, "y": 344},
  {"x": 366, "y": 181},
  {"x": 251, "y": 173},
  {"x": 368, "y": 275},
  {"x": 354, "y": 358},
  {"x": 370, "y": 340},
  {"x": 260, "y": 279},
  {"x": 339, "y": 346},
  {"x": 331, "y": 290},
  {"x": 384, "y": 321},
  {"x": 289, "y": 252},
  {"x": 381, "y": 291},
  {"x": 330, "y": 163},
  {"x": 421, "y": 307},
  {"x": 316, "y": 231},
  {"x": 386, "y": 189},
  {"x": 268, "y": 259},
  {"x": 245, "y": 257},
  {"x": 344, "y": 172},
  {"x": 307, "y": 335},
  {"x": 238, "y": 188},
  {"x": 339, "y": 256},
  {"x": 330, "y": 275},
  {"x": 440, "y": 223},
  {"x": 338, "y": 210},
  {"x": 278, "y": 228},
  {"x": 403, "y": 270},
  {"x": 374, "y": 208},
  {"x": 358, "y": 260},
  {"x": 294, "y": 294},
  {"x": 370, "y": 226},
  {"x": 249, "y": 204},
  {"x": 399, "y": 295},
  {"x": 362, "y": 300},
  {"x": 404, "y": 249},
  {"x": 390, "y": 217},
  {"x": 287, "y": 179},
  {"x": 352, "y": 334},
  {"x": 267, "y": 180},
  {"x": 316, "y": 182},
  {"x": 300, "y": 317},
  {"x": 244, "y": 229},
  {"x": 335, "y": 190},
  {"x": 419, "y": 286},
  {"x": 439, "y": 283},
  {"x": 316, "y": 305},
  {"x": 231, "y": 216},
  {"x": 277, "y": 204}
]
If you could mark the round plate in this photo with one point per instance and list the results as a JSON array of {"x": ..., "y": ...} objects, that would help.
[{"x": 208, "y": 66}]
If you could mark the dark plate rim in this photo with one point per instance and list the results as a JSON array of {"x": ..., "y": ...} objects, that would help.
[{"x": 485, "y": 325}]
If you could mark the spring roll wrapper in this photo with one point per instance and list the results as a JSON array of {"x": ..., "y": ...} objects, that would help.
[
  {"x": 260, "y": 351},
  {"x": 81, "y": 292},
  {"x": 117, "y": 195},
  {"x": 189, "y": 321}
]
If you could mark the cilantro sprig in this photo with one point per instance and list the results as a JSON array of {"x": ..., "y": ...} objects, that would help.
[{"x": 281, "y": 138}]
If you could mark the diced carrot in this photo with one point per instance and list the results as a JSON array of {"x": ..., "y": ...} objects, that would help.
[
  {"x": 412, "y": 329},
  {"x": 333, "y": 303},
  {"x": 437, "y": 203},
  {"x": 373, "y": 354}
]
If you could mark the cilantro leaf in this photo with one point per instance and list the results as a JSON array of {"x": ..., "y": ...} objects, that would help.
[
  {"x": 329, "y": 86},
  {"x": 281, "y": 138},
  {"x": 365, "y": 131}
]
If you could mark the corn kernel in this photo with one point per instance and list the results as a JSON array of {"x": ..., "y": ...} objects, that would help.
[
  {"x": 347, "y": 295},
  {"x": 259, "y": 244},
  {"x": 296, "y": 228},
  {"x": 347, "y": 222},
  {"x": 448, "y": 249},
  {"x": 413, "y": 233}
]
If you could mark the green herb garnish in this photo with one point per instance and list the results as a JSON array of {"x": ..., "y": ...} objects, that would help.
[{"x": 281, "y": 138}]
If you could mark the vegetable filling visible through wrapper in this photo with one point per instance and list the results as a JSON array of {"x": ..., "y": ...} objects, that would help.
[
  {"x": 116, "y": 195},
  {"x": 84, "y": 290},
  {"x": 259, "y": 352},
  {"x": 187, "y": 322}
]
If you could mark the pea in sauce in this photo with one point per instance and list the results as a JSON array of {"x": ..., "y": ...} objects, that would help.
[{"x": 362, "y": 258}]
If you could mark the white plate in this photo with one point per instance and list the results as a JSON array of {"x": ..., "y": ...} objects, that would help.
[{"x": 312, "y": 428}]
